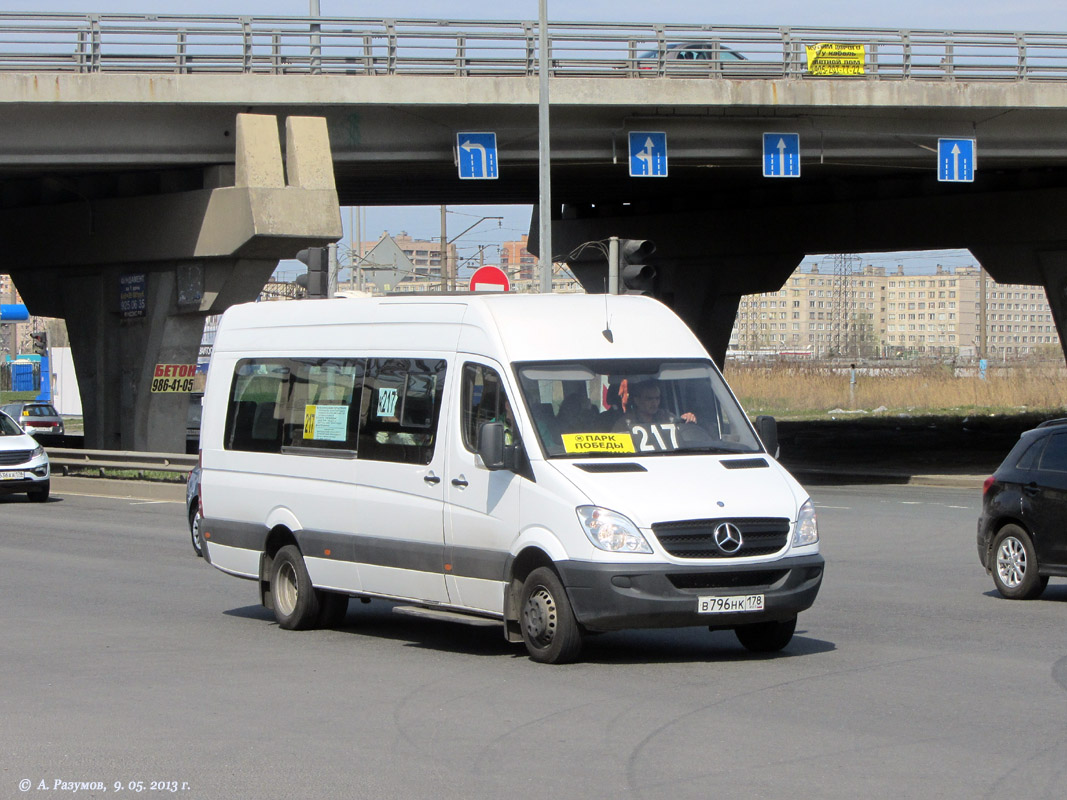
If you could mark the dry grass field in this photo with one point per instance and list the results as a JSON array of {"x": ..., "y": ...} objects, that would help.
[{"x": 789, "y": 390}]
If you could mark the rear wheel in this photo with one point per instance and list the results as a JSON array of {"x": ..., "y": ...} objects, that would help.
[
  {"x": 549, "y": 630},
  {"x": 296, "y": 603},
  {"x": 1015, "y": 565},
  {"x": 766, "y": 637},
  {"x": 194, "y": 529},
  {"x": 39, "y": 494}
]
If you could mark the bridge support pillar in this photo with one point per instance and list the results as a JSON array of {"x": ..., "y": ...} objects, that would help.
[
  {"x": 134, "y": 277},
  {"x": 115, "y": 356},
  {"x": 1028, "y": 264},
  {"x": 1054, "y": 269}
]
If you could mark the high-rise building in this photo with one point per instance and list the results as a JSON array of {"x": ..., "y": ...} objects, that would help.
[
  {"x": 896, "y": 315},
  {"x": 518, "y": 262}
]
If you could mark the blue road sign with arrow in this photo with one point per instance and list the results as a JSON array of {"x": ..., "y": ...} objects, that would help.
[
  {"x": 477, "y": 156},
  {"x": 955, "y": 160},
  {"x": 781, "y": 155},
  {"x": 648, "y": 154}
]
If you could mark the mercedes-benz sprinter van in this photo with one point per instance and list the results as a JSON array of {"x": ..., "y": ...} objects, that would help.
[{"x": 552, "y": 464}]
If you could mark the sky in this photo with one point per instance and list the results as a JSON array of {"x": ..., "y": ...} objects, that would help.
[{"x": 424, "y": 222}]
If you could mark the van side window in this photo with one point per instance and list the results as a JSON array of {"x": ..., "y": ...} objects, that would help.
[
  {"x": 400, "y": 408},
  {"x": 483, "y": 400},
  {"x": 252, "y": 421},
  {"x": 308, "y": 404}
]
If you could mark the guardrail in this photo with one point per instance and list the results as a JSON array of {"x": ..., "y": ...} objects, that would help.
[
  {"x": 101, "y": 462},
  {"x": 97, "y": 43}
]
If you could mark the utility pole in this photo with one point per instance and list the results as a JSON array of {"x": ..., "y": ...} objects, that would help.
[
  {"x": 544, "y": 151},
  {"x": 444, "y": 249},
  {"x": 842, "y": 307}
]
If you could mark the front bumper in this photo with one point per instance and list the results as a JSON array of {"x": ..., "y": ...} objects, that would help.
[
  {"x": 608, "y": 597},
  {"x": 33, "y": 475}
]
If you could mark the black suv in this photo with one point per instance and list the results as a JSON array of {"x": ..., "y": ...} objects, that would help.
[{"x": 1022, "y": 535}]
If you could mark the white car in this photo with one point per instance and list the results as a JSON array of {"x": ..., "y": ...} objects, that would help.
[{"x": 23, "y": 462}]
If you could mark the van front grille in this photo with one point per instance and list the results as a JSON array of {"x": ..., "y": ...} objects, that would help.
[{"x": 695, "y": 538}]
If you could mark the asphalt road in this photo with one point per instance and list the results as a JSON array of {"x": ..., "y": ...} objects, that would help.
[{"x": 125, "y": 658}]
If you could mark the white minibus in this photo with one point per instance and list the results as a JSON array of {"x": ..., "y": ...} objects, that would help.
[{"x": 555, "y": 465}]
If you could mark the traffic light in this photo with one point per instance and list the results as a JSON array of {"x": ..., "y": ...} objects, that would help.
[
  {"x": 636, "y": 274},
  {"x": 318, "y": 264},
  {"x": 40, "y": 343}
]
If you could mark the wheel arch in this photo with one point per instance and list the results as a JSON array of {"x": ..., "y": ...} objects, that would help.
[
  {"x": 518, "y": 568},
  {"x": 994, "y": 531},
  {"x": 278, "y": 537}
]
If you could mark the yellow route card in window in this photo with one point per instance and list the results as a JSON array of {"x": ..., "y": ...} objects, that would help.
[{"x": 579, "y": 443}]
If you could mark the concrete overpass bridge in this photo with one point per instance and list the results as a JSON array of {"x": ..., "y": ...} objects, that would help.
[{"x": 123, "y": 153}]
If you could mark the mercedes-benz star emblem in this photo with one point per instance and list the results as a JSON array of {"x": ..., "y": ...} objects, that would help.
[{"x": 728, "y": 537}]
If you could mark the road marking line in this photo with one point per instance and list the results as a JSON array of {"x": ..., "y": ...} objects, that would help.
[{"x": 114, "y": 497}]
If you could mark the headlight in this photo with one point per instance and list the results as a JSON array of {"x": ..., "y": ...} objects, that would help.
[
  {"x": 611, "y": 531},
  {"x": 37, "y": 451},
  {"x": 807, "y": 529}
]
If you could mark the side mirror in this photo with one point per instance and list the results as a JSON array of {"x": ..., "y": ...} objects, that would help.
[
  {"x": 491, "y": 445},
  {"x": 767, "y": 428},
  {"x": 495, "y": 450}
]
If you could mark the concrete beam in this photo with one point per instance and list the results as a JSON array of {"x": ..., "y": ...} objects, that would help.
[
  {"x": 318, "y": 91},
  {"x": 198, "y": 252}
]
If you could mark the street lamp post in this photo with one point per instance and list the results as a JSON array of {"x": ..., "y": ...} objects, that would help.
[{"x": 544, "y": 152}]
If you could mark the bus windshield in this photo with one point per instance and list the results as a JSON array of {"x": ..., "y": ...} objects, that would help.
[{"x": 627, "y": 407}]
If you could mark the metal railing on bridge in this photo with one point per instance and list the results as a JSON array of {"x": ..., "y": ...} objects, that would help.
[{"x": 99, "y": 43}]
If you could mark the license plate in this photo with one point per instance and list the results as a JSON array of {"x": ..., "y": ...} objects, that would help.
[
  {"x": 12, "y": 476},
  {"x": 730, "y": 605}
]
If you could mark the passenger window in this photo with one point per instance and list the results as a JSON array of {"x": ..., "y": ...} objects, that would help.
[
  {"x": 307, "y": 404},
  {"x": 483, "y": 399},
  {"x": 323, "y": 409},
  {"x": 252, "y": 419},
  {"x": 1029, "y": 457},
  {"x": 400, "y": 408},
  {"x": 1054, "y": 459}
]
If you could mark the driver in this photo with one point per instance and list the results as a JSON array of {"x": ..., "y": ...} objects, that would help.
[{"x": 643, "y": 408}]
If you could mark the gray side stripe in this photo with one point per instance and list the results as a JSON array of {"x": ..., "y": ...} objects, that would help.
[{"x": 467, "y": 562}]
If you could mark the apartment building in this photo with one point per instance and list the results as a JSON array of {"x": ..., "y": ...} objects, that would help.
[
  {"x": 424, "y": 254},
  {"x": 868, "y": 313},
  {"x": 518, "y": 262}
]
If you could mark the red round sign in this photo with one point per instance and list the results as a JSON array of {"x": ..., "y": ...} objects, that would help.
[{"x": 490, "y": 279}]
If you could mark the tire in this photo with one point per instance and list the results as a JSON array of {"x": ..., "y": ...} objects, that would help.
[
  {"x": 549, "y": 630},
  {"x": 39, "y": 494},
  {"x": 296, "y": 602},
  {"x": 194, "y": 530},
  {"x": 333, "y": 608},
  {"x": 766, "y": 637},
  {"x": 1014, "y": 565}
]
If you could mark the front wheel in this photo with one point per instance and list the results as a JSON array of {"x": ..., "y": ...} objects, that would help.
[
  {"x": 296, "y": 603},
  {"x": 766, "y": 637},
  {"x": 39, "y": 494},
  {"x": 549, "y": 629},
  {"x": 1015, "y": 565}
]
